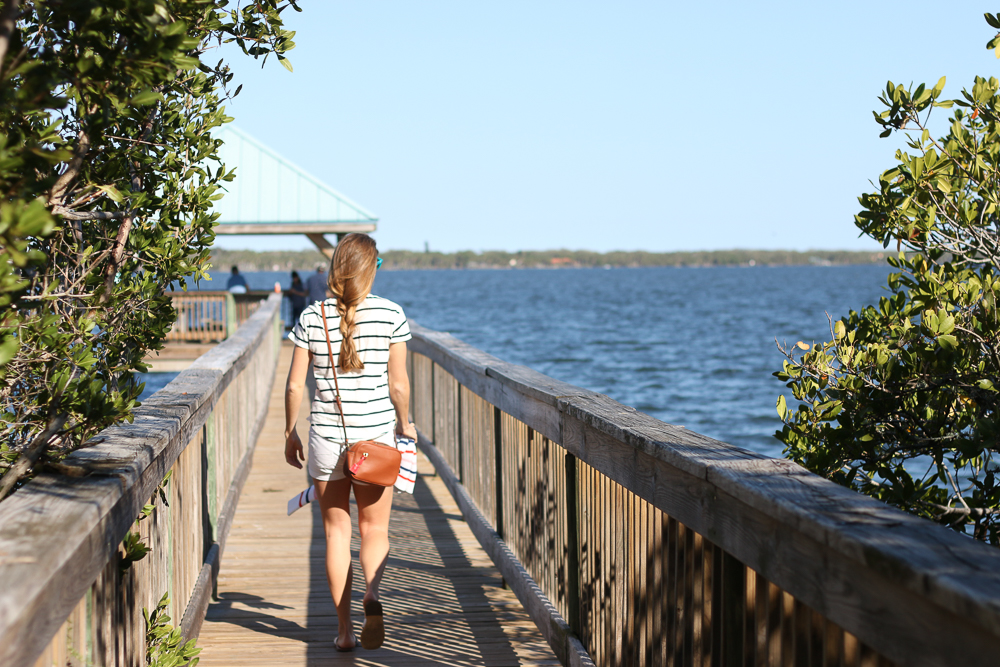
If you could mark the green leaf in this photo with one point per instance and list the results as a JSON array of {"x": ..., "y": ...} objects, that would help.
[
  {"x": 112, "y": 193},
  {"x": 146, "y": 97},
  {"x": 35, "y": 220},
  {"x": 8, "y": 348},
  {"x": 947, "y": 341},
  {"x": 286, "y": 63},
  {"x": 174, "y": 28}
]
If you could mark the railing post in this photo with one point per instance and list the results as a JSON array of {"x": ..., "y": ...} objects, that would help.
[
  {"x": 459, "y": 440},
  {"x": 498, "y": 463},
  {"x": 572, "y": 548},
  {"x": 433, "y": 419},
  {"x": 733, "y": 610},
  {"x": 231, "y": 319},
  {"x": 211, "y": 471},
  {"x": 410, "y": 377}
]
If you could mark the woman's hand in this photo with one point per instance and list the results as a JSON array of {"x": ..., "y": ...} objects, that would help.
[
  {"x": 293, "y": 450},
  {"x": 301, "y": 359},
  {"x": 407, "y": 429}
]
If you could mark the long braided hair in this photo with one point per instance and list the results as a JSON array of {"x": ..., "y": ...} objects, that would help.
[{"x": 352, "y": 272}]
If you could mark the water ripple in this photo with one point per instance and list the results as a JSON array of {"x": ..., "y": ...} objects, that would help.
[{"x": 690, "y": 346}]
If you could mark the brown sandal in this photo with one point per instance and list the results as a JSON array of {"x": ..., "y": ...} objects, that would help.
[{"x": 373, "y": 631}]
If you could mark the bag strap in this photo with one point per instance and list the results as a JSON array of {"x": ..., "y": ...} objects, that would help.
[{"x": 333, "y": 367}]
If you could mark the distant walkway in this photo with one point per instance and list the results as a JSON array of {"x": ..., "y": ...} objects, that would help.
[{"x": 443, "y": 599}]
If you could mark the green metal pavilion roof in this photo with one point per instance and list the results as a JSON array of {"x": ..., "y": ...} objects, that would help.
[{"x": 270, "y": 195}]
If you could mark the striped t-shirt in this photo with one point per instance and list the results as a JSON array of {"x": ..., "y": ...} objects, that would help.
[{"x": 365, "y": 393}]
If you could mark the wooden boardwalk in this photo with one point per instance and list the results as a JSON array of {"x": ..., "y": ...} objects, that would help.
[{"x": 444, "y": 600}]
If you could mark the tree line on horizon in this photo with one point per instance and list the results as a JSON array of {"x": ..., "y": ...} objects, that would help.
[{"x": 286, "y": 260}]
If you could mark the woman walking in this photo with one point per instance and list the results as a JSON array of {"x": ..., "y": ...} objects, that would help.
[{"x": 367, "y": 335}]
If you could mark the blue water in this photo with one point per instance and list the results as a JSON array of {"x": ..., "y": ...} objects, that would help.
[
  {"x": 691, "y": 346},
  {"x": 154, "y": 383}
]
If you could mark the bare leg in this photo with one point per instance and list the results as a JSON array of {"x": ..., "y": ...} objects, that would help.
[
  {"x": 334, "y": 500},
  {"x": 374, "y": 506}
]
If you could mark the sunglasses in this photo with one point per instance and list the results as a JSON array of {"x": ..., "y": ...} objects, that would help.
[{"x": 378, "y": 262}]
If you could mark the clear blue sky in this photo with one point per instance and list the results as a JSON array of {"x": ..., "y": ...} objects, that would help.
[{"x": 603, "y": 126}]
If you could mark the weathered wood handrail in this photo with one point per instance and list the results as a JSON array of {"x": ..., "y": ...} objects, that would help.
[
  {"x": 64, "y": 597},
  {"x": 647, "y": 544}
]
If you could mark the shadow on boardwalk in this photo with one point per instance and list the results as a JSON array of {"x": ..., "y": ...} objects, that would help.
[{"x": 444, "y": 600}]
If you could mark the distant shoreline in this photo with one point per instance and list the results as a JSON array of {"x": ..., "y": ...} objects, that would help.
[{"x": 281, "y": 260}]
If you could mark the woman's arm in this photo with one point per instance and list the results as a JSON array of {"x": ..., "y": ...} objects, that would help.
[
  {"x": 399, "y": 390},
  {"x": 294, "y": 387}
]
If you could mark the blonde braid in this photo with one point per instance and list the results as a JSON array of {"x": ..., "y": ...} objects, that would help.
[
  {"x": 352, "y": 272},
  {"x": 349, "y": 359}
]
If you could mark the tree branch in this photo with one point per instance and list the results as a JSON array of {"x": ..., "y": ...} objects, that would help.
[
  {"x": 118, "y": 249},
  {"x": 72, "y": 171},
  {"x": 134, "y": 141},
  {"x": 89, "y": 215},
  {"x": 30, "y": 456},
  {"x": 972, "y": 512},
  {"x": 8, "y": 16}
]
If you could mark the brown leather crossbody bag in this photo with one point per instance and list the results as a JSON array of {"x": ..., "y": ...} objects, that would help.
[{"x": 367, "y": 460}]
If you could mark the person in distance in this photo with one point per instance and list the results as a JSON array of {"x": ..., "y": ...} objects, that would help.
[{"x": 236, "y": 284}]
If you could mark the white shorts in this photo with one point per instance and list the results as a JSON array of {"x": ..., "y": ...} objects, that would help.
[{"x": 327, "y": 457}]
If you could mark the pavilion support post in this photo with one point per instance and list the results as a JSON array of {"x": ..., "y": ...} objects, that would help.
[{"x": 324, "y": 246}]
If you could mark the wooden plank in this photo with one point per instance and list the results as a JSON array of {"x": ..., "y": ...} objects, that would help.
[
  {"x": 500, "y": 472},
  {"x": 803, "y": 617},
  {"x": 788, "y": 630},
  {"x": 614, "y": 622},
  {"x": 708, "y": 619},
  {"x": 690, "y": 612},
  {"x": 587, "y": 584},
  {"x": 205, "y": 585},
  {"x": 59, "y": 532},
  {"x": 805, "y": 564},
  {"x": 760, "y": 616},
  {"x": 444, "y": 599},
  {"x": 552, "y": 626},
  {"x": 774, "y": 630},
  {"x": 903, "y": 553},
  {"x": 422, "y": 396},
  {"x": 673, "y": 612},
  {"x": 733, "y": 609}
]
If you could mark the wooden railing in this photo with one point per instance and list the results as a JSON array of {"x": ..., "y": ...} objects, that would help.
[
  {"x": 636, "y": 543},
  {"x": 248, "y": 303},
  {"x": 211, "y": 315},
  {"x": 67, "y": 597}
]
